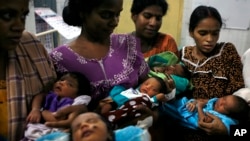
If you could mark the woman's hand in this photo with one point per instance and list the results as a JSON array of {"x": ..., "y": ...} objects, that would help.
[
  {"x": 216, "y": 127},
  {"x": 70, "y": 112}
]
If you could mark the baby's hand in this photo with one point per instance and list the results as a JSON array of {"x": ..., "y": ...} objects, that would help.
[
  {"x": 106, "y": 108},
  {"x": 158, "y": 69},
  {"x": 191, "y": 106},
  {"x": 34, "y": 116},
  {"x": 161, "y": 97}
]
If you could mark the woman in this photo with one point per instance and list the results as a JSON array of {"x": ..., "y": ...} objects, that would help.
[
  {"x": 147, "y": 16},
  {"x": 104, "y": 58},
  {"x": 215, "y": 69},
  {"x": 24, "y": 68}
]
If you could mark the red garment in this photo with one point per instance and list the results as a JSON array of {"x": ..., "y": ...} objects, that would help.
[{"x": 163, "y": 43}]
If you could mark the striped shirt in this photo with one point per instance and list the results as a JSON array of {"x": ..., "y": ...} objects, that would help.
[{"x": 28, "y": 70}]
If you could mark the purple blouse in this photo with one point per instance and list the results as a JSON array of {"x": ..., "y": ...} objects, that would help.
[
  {"x": 123, "y": 65},
  {"x": 53, "y": 104}
]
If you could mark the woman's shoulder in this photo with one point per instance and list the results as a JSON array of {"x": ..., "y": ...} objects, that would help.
[
  {"x": 27, "y": 36},
  {"x": 30, "y": 44},
  {"x": 226, "y": 46},
  {"x": 187, "y": 49},
  {"x": 226, "y": 49},
  {"x": 62, "y": 48}
]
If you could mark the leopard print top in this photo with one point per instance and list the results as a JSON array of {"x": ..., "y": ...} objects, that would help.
[{"x": 217, "y": 75}]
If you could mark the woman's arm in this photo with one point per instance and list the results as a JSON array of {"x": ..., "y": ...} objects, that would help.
[{"x": 234, "y": 68}]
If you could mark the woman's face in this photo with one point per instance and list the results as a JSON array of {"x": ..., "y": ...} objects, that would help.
[
  {"x": 102, "y": 21},
  {"x": 89, "y": 127},
  {"x": 206, "y": 35},
  {"x": 12, "y": 22},
  {"x": 148, "y": 22}
]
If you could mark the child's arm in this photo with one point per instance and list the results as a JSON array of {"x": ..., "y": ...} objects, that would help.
[
  {"x": 161, "y": 97},
  {"x": 48, "y": 116},
  {"x": 35, "y": 114}
]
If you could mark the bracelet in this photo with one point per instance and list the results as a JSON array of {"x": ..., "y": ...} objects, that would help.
[{"x": 42, "y": 109}]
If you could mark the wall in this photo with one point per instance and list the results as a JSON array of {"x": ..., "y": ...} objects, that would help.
[
  {"x": 240, "y": 38},
  {"x": 171, "y": 22},
  {"x": 30, "y": 20},
  {"x": 174, "y": 23}
]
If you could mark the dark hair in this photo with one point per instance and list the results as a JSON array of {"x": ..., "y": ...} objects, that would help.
[
  {"x": 163, "y": 88},
  {"x": 240, "y": 111},
  {"x": 202, "y": 12},
  {"x": 140, "y": 5},
  {"x": 84, "y": 87},
  {"x": 72, "y": 12}
]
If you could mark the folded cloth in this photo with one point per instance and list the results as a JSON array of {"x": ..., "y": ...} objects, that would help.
[
  {"x": 132, "y": 133},
  {"x": 162, "y": 59},
  {"x": 36, "y": 130},
  {"x": 55, "y": 136},
  {"x": 244, "y": 93}
]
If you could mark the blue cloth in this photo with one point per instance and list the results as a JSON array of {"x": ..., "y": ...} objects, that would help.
[
  {"x": 53, "y": 104},
  {"x": 177, "y": 109},
  {"x": 55, "y": 136},
  {"x": 120, "y": 95},
  {"x": 132, "y": 133}
]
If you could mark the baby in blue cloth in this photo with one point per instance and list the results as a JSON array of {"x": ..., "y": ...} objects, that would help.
[
  {"x": 231, "y": 109},
  {"x": 92, "y": 126}
]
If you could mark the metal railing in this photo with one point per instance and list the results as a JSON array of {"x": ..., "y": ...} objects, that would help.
[{"x": 49, "y": 39}]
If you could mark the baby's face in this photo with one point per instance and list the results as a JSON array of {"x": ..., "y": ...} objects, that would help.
[
  {"x": 151, "y": 87},
  {"x": 89, "y": 127},
  {"x": 66, "y": 87},
  {"x": 223, "y": 104}
]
